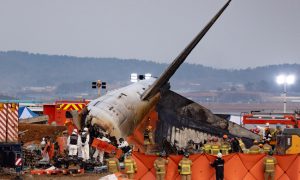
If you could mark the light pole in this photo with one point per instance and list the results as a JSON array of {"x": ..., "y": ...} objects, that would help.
[
  {"x": 99, "y": 84},
  {"x": 285, "y": 80}
]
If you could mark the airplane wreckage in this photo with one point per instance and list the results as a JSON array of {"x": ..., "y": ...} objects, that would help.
[{"x": 127, "y": 111}]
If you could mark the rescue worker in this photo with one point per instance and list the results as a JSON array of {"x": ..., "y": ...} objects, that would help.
[
  {"x": 113, "y": 164},
  {"x": 185, "y": 167},
  {"x": 278, "y": 130},
  {"x": 267, "y": 147},
  {"x": 98, "y": 152},
  {"x": 218, "y": 164},
  {"x": 235, "y": 145},
  {"x": 44, "y": 152},
  {"x": 148, "y": 138},
  {"x": 225, "y": 145},
  {"x": 267, "y": 131},
  {"x": 73, "y": 143},
  {"x": 123, "y": 145},
  {"x": 85, "y": 139},
  {"x": 255, "y": 149},
  {"x": 130, "y": 166},
  {"x": 160, "y": 166},
  {"x": 207, "y": 146},
  {"x": 242, "y": 145},
  {"x": 215, "y": 147},
  {"x": 190, "y": 147},
  {"x": 269, "y": 166}
]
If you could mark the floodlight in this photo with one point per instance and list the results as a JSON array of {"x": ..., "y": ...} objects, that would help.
[
  {"x": 290, "y": 79},
  {"x": 148, "y": 76},
  {"x": 280, "y": 79},
  {"x": 133, "y": 77}
]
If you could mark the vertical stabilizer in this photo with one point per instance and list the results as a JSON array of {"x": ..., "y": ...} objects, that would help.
[{"x": 168, "y": 73}]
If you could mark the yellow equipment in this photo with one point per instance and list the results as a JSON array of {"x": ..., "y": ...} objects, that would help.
[{"x": 289, "y": 141}]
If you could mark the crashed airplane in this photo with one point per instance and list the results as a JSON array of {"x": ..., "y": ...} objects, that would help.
[{"x": 121, "y": 111}]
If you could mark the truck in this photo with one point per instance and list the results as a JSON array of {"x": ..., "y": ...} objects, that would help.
[
  {"x": 10, "y": 148},
  {"x": 256, "y": 118},
  {"x": 58, "y": 110}
]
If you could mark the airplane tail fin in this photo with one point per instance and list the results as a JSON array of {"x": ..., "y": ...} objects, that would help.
[{"x": 168, "y": 73}]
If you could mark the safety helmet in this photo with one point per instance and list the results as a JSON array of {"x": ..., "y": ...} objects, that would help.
[
  {"x": 255, "y": 142},
  {"x": 225, "y": 136},
  {"x": 75, "y": 131},
  {"x": 260, "y": 145},
  {"x": 219, "y": 155},
  {"x": 267, "y": 124},
  {"x": 43, "y": 142},
  {"x": 186, "y": 154},
  {"x": 86, "y": 129},
  {"x": 149, "y": 127}
]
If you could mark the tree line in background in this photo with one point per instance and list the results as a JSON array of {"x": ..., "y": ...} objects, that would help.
[{"x": 23, "y": 71}]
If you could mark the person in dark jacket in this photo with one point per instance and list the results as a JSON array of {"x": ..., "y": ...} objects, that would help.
[
  {"x": 218, "y": 164},
  {"x": 235, "y": 147}
]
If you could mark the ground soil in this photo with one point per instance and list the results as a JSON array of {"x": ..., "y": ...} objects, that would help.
[{"x": 35, "y": 132}]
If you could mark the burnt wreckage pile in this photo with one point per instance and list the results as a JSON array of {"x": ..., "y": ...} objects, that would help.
[{"x": 181, "y": 120}]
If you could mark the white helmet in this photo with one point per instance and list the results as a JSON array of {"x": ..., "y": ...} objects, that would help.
[
  {"x": 219, "y": 155},
  {"x": 86, "y": 129},
  {"x": 75, "y": 131}
]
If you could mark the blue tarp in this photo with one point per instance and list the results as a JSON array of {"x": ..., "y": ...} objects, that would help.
[{"x": 25, "y": 112}]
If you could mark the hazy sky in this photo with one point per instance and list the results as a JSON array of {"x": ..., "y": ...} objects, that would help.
[{"x": 250, "y": 33}]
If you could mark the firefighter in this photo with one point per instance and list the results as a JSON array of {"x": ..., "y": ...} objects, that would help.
[
  {"x": 225, "y": 145},
  {"x": 148, "y": 138},
  {"x": 98, "y": 152},
  {"x": 235, "y": 145},
  {"x": 218, "y": 164},
  {"x": 113, "y": 164},
  {"x": 85, "y": 139},
  {"x": 73, "y": 142},
  {"x": 255, "y": 149},
  {"x": 269, "y": 166},
  {"x": 130, "y": 166},
  {"x": 160, "y": 166},
  {"x": 267, "y": 132},
  {"x": 267, "y": 147},
  {"x": 278, "y": 130},
  {"x": 185, "y": 167},
  {"x": 207, "y": 146},
  {"x": 215, "y": 147},
  {"x": 190, "y": 147}
]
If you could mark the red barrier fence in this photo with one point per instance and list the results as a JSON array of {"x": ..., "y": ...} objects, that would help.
[{"x": 237, "y": 167}]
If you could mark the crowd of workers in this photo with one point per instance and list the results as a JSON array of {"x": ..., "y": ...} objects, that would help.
[{"x": 78, "y": 144}]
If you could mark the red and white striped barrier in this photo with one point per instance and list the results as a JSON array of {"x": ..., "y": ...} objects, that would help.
[{"x": 9, "y": 122}]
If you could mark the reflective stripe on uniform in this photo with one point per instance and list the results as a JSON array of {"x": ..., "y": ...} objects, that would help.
[
  {"x": 185, "y": 169},
  {"x": 129, "y": 166}
]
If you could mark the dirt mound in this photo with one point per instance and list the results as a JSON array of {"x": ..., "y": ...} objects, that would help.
[{"x": 35, "y": 132}]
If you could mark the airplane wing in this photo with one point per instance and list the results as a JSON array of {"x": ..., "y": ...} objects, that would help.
[{"x": 167, "y": 74}]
